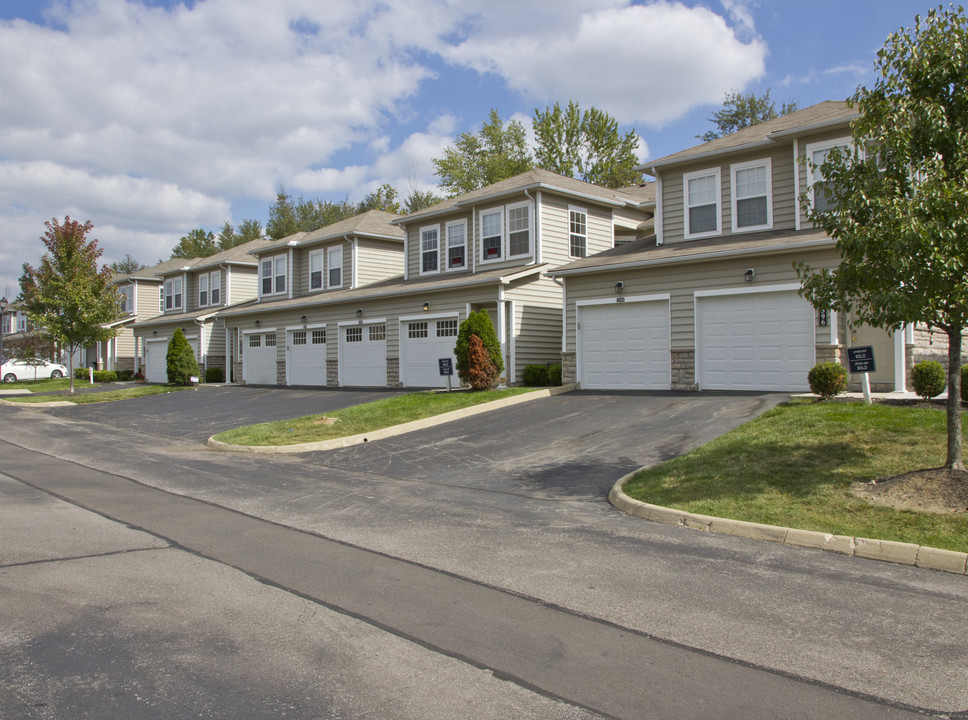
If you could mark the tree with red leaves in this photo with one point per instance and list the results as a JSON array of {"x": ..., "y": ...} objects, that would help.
[
  {"x": 67, "y": 294},
  {"x": 481, "y": 371}
]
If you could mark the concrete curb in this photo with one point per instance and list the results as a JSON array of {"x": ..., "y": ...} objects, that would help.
[
  {"x": 53, "y": 403},
  {"x": 388, "y": 431},
  {"x": 886, "y": 550}
]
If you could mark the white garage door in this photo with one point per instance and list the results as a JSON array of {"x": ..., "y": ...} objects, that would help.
[
  {"x": 363, "y": 356},
  {"x": 260, "y": 358},
  {"x": 156, "y": 361},
  {"x": 625, "y": 346},
  {"x": 422, "y": 344},
  {"x": 307, "y": 357},
  {"x": 758, "y": 341}
]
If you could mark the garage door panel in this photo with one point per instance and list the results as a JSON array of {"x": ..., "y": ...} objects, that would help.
[
  {"x": 259, "y": 358},
  {"x": 307, "y": 357},
  {"x": 363, "y": 356},
  {"x": 422, "y": 344},
  {"x": 760, "y": 341},
  {"x": 625, "y": 346}
]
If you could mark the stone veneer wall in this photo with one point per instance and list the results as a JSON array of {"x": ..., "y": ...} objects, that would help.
[
  {"x": 124, "y": 363},
  {"x": 332, "y": 373},
  {"x": 393, "y": 372},
  {"x": 929, "y": 345},
  {"x": 237, "y": 371},
  {"x": 569, "y": 368},
  {"x": 684, "y": 370}
]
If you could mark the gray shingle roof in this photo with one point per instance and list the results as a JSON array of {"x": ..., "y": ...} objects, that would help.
[{"x": 372, "y": 223}]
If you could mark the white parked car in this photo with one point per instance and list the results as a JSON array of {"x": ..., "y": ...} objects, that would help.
[{"x": 13, "y": 370}]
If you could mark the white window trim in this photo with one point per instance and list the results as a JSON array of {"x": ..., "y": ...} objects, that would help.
[
  {"x": 211, "y": 286},
  {"x": 321, "y": 253},
  {"x": 208, "y": 297},
  {"x": 272, "y": 259},
  {"x": 733, "y": 169},
  {"x": 131, "y": 306},
  {"x": 507, "y": 230},
  {"x": 455, "y": 223},
  {"x": 811, "y": 148},
  {"x": 583, "y": 211},
  {"x": 686, "y": 177},
  {"x": 424, "y": 229},
  {"x": 480, "y": 221},
  {"x": 175, "y": 307},
  {"x": 337, "y": 251}
]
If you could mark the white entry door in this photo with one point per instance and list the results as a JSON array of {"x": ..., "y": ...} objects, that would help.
[
  {"x": 625, "y": 346},
  {"x": 156, "y": 360},
  {"x": 307, "y": 356},
  {"x": 363, "y": 355},
  {"x": 755, "y": 341}
]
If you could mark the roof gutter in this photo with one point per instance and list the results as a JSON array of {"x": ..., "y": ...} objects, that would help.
[{"x": 769, "y": 250}]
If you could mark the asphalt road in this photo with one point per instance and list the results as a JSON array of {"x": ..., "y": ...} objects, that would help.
[{"x": 504, "y": 562}]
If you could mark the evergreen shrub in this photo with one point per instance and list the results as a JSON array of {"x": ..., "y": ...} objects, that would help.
[
  {"x": 827, "y": 379},
  {"x": 928, "y": 379}
]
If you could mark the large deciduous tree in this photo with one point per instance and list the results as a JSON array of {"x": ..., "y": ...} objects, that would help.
[
  {"x": 585, "y": 144},
  {"x": 897, "y": 202},
  {"x": 198, "y": 243},
  {"x": 741, "y": 110},
  {"x": 496, "y": 152},
  {"x": 67, "y": 294}
]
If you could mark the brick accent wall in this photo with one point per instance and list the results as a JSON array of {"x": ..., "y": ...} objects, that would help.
[{"x": 684, "y": 370}]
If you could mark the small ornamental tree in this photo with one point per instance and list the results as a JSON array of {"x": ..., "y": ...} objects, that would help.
[
  {"x": 477, "y": 323},
  {"x": 182, "y": 365},
  {"x": 481, "y": 372},
  {"x": 66, "y": 294}
]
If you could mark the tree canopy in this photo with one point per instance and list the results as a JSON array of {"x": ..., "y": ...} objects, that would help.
[
  {"x": 741, "y": 110},
  {"x": 67, "y": 294},
  {"x": 230, "y": 237},
  {"x": 126, "y": 265},
  {"x": 585, "y": 144},
  {"x": 290, "y": 215},
  {"x": 895, "y": 201},
  {"x": 496, "y": 152},
  {"x": 196, "y": 244}
]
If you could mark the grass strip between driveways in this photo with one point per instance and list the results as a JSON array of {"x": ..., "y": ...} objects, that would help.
[
  {"x": 793, "y": 466},
  {"x": 81, "y": 398},
  {"x": 362, "y": 418}
]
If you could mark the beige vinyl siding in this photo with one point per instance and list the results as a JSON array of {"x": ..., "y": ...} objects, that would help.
[
  {"x": 124, "y": 343},
  {"x": 681, "y": 281},
  {"x": 147, "y": 299},
  {"x": 379, "y": 260},
  {"x": 556, "y": 231},
  {"x": 299, "y": 273},
  {"x": 537, "y": 324},
  {"x": 214, "y": 339},
  {"x": 244, "y": 284}
]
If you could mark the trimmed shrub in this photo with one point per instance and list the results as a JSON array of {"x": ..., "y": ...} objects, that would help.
[
  {"x": 827, "y": 379},
  {"x": 481, "y": 372},
  {"x": 105, "y": 376},
  {"x": 554, "y": 374},
  {"x": 125, "y": 374},
  {"x": 477, "y": 323},
  {"x": 81, "y": 373},
  {"x": 535, "y": 375},
  {"x": 214, "y": 375},
  {"x": 928, "y": 379},
  {"x": 182, "y": 365}
]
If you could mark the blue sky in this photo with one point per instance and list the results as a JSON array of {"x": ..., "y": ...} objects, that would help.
[{"x": 153, "y": 117}]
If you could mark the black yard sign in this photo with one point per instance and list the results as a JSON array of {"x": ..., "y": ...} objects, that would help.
[{"x": 861, "y": 359}]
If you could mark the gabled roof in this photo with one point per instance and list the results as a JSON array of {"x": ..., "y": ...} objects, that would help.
[
  {"x": 532, "y": 180},
  {"x": 644, "y": 252},
  {"x": 238, "y": 255},
  {"x": 372, "y": 224},
  {"x": 829, "y": 113},
  {"x": 154, "y": 272}
]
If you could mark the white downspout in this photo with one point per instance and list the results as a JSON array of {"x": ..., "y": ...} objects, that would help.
[
  {"x": 796, "y": 182},
  {"x": 536, "y": 255},
  {"x": 202, "y": 355},
  {"x": 502, "y": 329},
  {"x": 354, "y": 277}
]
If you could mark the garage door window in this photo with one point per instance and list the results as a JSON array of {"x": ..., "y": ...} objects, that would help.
[
  {"x": 354, "y": 334},
  {"x": 255, "y": 341},
  {"x": 299, "y": 337},
  {"x": 417, "y": 330},
  {"x": 378, "y": 333},
  {"x": 319, "y": 337},
  {"x": 270, "y": 339},
  {"x": 446, "y": 328}
]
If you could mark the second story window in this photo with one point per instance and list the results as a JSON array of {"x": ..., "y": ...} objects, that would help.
[
  {"x": 492, "y": 234},
  {"x": 173, "y": 294},
  {"x": 203, "y": 290},
  {"x": 21, "y": 322},
  {"x": 752, "y": 195},
  {"x": 577, "y": 232},
  {"x": 272, "y": 275},
  {"x": 702, "y": 198},
  {"x": 429, "y": 249},
  {"x": 816, "y": 155},
  {"x": 161, "y": 299},
  {"x": 519, "y": 229},
  {"x": 127, "y": 299},
  {"x": 316, "y": 270},
  {"x": 215, "y": 287},
  {"x": 334, "y": 258},
  {"x": 457, "y": 245}
]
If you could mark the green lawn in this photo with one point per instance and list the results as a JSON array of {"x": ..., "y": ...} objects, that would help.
[
  {"x": 793, "y": 466},
  {"x": 81, "y": 396},
  {"x": 362, "y": 418}
]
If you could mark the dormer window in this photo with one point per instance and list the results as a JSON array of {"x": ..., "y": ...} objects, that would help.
[{"x": 702, "y": 200}]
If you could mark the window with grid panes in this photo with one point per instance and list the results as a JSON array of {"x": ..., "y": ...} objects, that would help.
[
  {"x": 378, "y": 332},
  {"x": 417, "y": 330},
  {"x": 446, "y": 328}
]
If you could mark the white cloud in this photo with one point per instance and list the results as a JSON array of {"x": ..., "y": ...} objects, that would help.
[{"x": 647, "y": 64}]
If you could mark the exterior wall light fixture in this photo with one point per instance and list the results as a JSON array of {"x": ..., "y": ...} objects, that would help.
[{"x": 749, "y": 275}]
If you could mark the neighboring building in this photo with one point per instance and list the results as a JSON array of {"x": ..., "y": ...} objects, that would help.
[
  {"x": 488, "y": 249},
  {"x": 711, "y": 301},
  {"x": 190, "y": 295},
  {"x": 141, "y": 299}
]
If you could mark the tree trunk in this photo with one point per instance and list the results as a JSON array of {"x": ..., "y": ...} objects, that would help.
[{"x": 954, "y": 400}]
